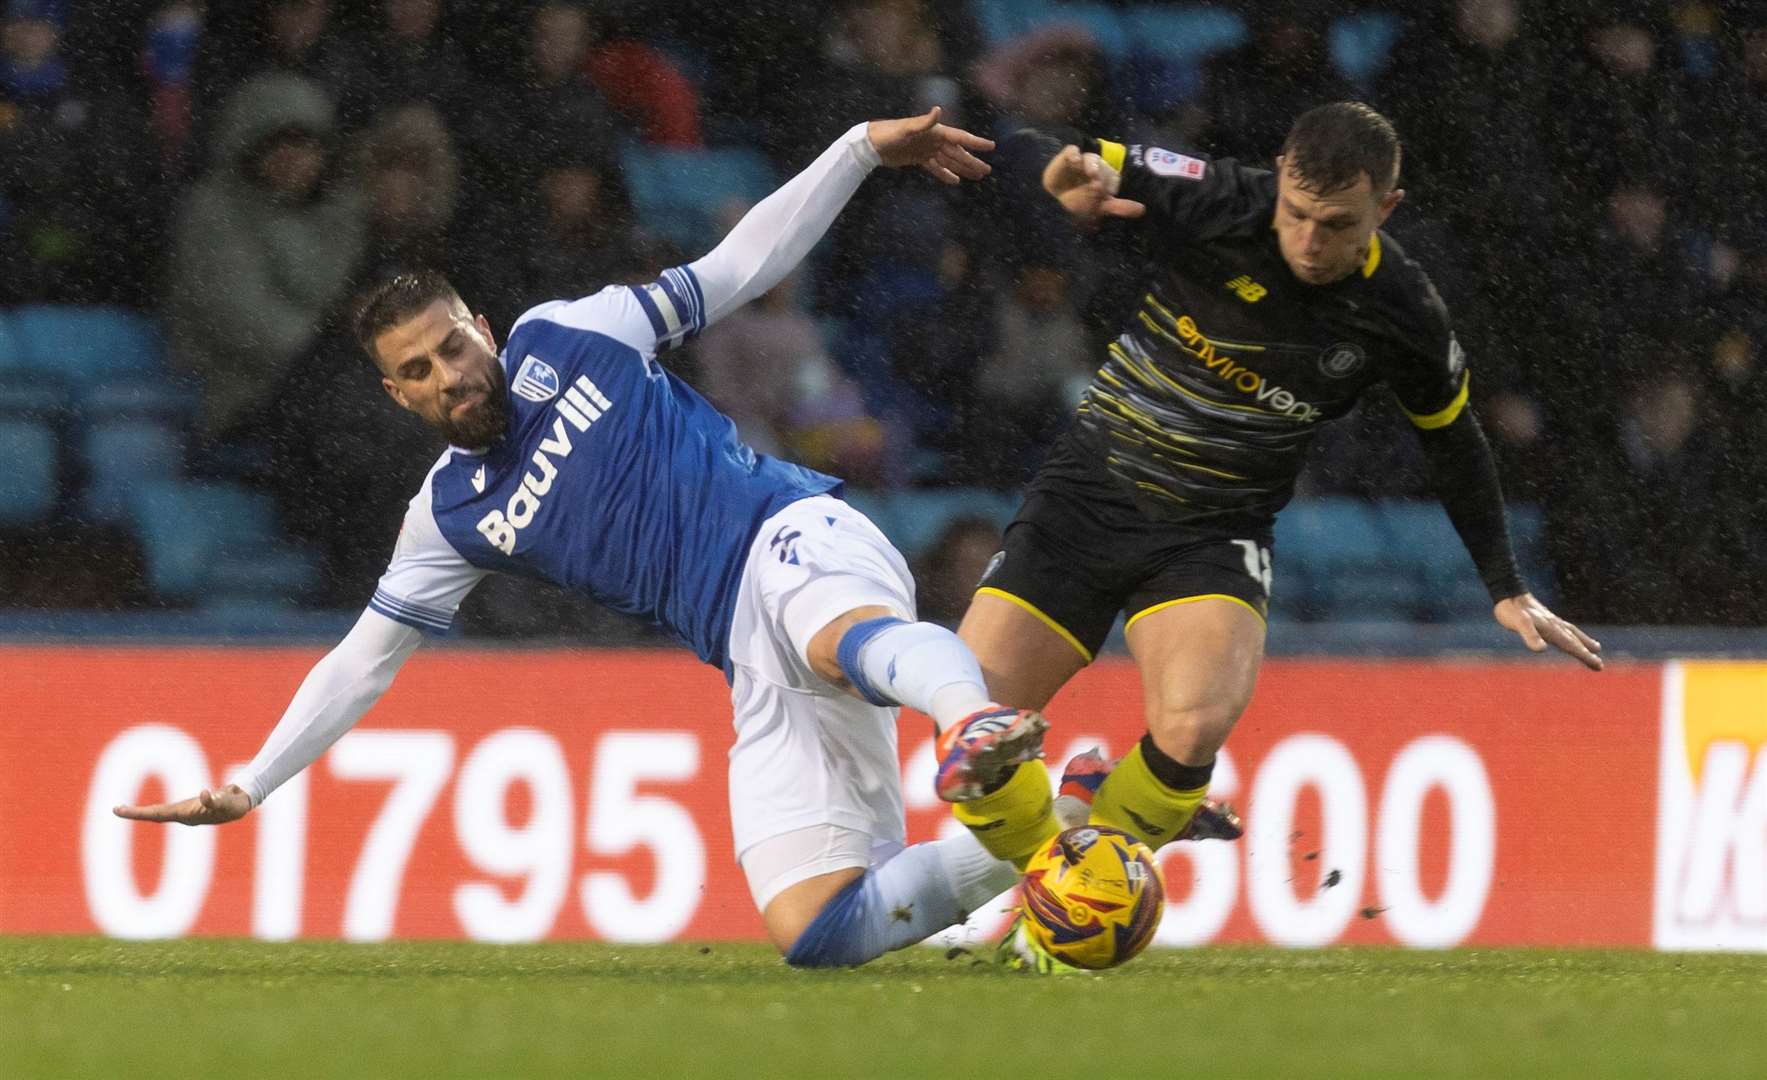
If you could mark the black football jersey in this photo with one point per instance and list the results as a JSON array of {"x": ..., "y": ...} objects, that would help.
[{"x": 1206, "y": 403}]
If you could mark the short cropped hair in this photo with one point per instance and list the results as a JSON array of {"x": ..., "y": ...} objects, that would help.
[
  {"x": 1330, "y": 146},
  {"x": 395, "y": 300}
]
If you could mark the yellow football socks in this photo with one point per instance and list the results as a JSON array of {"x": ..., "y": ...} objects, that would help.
[
  {"x": 1013, "y": 821},
  {"x": 1133, "y": 799}
]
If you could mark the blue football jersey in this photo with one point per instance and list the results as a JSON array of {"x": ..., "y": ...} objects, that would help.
[{"x": 615, "y": 479}]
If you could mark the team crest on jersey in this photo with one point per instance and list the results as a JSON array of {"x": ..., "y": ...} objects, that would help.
[
  {"x": 1342, "y": 360},
  {"x": 993, "y": 566},
  {"x": 1162, "y": 162},
  {"x": 1456, "y": 356},
  {"x": 535, "y": 381}
]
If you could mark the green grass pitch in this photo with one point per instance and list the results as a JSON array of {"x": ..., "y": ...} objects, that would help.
[{"x": 91, "y": 1007}]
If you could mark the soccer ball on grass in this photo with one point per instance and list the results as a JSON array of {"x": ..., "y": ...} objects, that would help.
[{"x": 1093, "y": 897}]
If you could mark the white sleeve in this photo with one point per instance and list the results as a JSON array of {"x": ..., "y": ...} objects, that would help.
[
  {"x": 426, "y": 579},
  {"x": 336, "y": 693},
  {"x": 774, "y": 236},
  {"x": 765, "y": 246}
]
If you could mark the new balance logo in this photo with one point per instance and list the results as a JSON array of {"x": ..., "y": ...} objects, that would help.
[
  {"x": 582, "y": 405},
  {"x": 1246, "y": 289}
]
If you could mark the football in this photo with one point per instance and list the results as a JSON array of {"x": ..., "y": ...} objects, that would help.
[{"x": 1093, "y": 896}]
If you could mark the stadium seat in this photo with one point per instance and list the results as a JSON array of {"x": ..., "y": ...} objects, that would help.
[
  {"x": 119, "y": 454},
  {"x": 1102, "y": 21},
  {"x": 681, "y": 193},
  {"x": 29, "y": 476},
  {"x": 1527, "y": 528},
  {"x": 1334, "y": 552},
  {"x": 138, "y": 397},
  {"x": 1429, "y": 551},
  {"x": 187, "y": 527},
  {"x": 1360, "y": 45},
  {"x": 1003, "y": 20},
  {"x": 916, "y": 517},
  {"x": 32, "y": 398},
  {"x": 1184, "y": 34},
  {"x": 86, "y": 344},
  {"x": 276, "y": 574},
  {"x": 12, "y": 353}
]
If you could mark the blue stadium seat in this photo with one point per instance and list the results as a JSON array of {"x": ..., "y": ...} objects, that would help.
[
  {"x": 681, "y": 193},
  {"x": 1102, "y": 21},
  {"x": 917, "y": 516},
  {"x": 138, "y": 397},
  {"x": 1361, "y": 44},
  {"x": 120, "y": 453},
  {"x": 28, "y": 478},
  {"x": 12, "y": 351},
  {"x": 187, "y": 527},
  {"x": 1428, "y": 549},
  {"x": 86, "y": 344},
  {"x": 276, "y": 574},
  {"x": 32, "y": 398},
  {"x": 1334, "y": 551},
  {"x": 1003, "y": 20},
  {"x": 1527, "y": 527},
  {"x": 1185, "y": 34}
]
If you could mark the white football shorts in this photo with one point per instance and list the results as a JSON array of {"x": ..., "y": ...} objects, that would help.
[{"x": 807, "y": 754}]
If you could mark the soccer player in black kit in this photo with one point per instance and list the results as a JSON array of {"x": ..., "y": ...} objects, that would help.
[{"x": 1275, "y": 302}]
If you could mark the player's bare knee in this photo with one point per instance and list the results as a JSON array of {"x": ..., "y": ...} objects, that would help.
[
  {"x": 790, "y": 913},
  {"x": 1194, "y": 735}
]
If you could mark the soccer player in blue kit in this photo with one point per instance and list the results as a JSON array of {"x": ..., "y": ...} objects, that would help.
[{"x": 577, "y": 458}]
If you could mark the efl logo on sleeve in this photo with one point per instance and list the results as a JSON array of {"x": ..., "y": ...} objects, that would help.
[
  {"x": 1711, "y": 875},
  {"x": 535, "y": 381},
  {"x": 1163, "y": 162}
]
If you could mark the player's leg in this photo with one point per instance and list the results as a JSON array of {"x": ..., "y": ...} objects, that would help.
[
  {"x": 1087, "y": 771},
  {"x": 1038, "y": 617},
  {"x": 1021, "y": 654},
  {"x": 815, "y": 782},
  {"x": 817, "y": 818},
  {"x": 1199, "y": 660},
  {"x": 1025, "y": 656},
  {"x": 851, "y": 916}
]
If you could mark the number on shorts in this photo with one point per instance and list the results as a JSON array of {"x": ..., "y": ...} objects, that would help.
[{"x": 1257, "y": 562}]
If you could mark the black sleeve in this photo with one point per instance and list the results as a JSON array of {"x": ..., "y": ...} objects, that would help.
[
  {"x": 1188, "y": 196},
  {"x": 1185, "y": 194},
  {"x": 1464, "y": 476}
]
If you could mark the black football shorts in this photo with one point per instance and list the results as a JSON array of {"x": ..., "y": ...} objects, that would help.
[{"x": 1076, "y": 558}]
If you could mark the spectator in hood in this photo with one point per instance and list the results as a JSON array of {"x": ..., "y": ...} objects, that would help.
[{"x": 263, "y": 246}]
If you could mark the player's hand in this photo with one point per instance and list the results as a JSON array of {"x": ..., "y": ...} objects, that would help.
[
  {"x": 223, "y": 804},
  {"x": 945, "y": 152},
  {"x": 1538, "y": 627},
  {"x": 1086, "y": 186}
]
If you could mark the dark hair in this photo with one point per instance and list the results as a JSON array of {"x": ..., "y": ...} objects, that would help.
[
  {"x": 1331, "y": 146},
  {"x": 395, "y": 300}
]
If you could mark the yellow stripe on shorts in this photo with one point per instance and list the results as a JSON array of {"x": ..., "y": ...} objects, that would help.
[{"x": 989, "y": 590}]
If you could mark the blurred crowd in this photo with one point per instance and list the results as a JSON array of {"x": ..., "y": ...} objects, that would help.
[{"x": 1586, "y": 182}]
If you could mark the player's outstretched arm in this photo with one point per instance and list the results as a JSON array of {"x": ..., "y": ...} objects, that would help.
[
  {"x": 948, "y": 154},
  {"x": 1087, "y": 186},
  {"x": 211, "y": 807},
  {"x": 1538, "y": 628},
  {"x": 336, "y": 693},
  {"x": 776, "y": 234},
  {"x": 1464, "y": 476}
]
